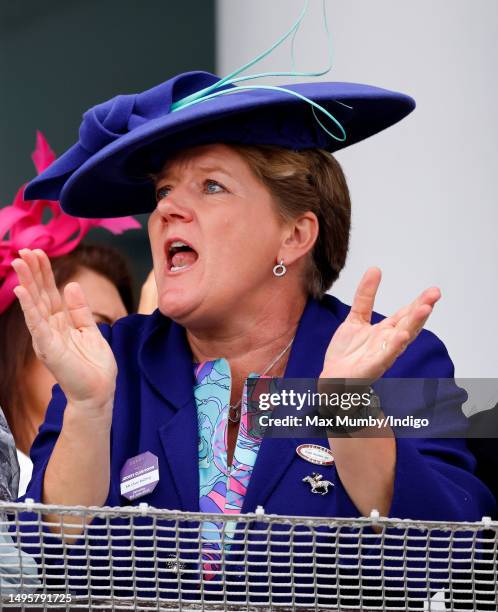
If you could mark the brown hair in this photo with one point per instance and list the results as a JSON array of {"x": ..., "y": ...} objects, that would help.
[
  {"x": 309, "y": 180},
  {"x": 16, "y": 350}
]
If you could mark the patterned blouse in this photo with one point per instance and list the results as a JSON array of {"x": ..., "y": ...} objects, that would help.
[{"x": 222, "y": 489}]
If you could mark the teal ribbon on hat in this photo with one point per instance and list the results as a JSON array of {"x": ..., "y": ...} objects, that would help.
[{"x": 210, "y": 92}]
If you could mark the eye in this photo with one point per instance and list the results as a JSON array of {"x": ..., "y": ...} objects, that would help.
[
  {"x": 213, "y": 187},
  {"x": 162, "y": 192}
]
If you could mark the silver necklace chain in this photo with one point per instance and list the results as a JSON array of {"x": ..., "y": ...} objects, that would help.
[{"x": 236, "y": 407}]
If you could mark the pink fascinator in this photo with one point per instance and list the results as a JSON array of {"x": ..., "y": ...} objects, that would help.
[{"x": 41, "y": 224}]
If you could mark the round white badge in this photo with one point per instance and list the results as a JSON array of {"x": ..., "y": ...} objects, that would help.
[{"x": 314, "y": 453}]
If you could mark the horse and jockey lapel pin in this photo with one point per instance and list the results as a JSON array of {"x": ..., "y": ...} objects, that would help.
[
  {"x": 318, "y": 485},
  {"x": 314, "y": 453}
]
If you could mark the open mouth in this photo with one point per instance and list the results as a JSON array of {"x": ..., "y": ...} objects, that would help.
[{"x": 180, "y": 255}]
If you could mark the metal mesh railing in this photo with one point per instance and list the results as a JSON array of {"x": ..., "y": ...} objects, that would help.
[{"x": 141, "y": 558}]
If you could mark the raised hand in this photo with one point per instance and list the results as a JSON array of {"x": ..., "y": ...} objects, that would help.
[
  {"x": 65, "y": 336},
  {"x": 359, "y": 349}
]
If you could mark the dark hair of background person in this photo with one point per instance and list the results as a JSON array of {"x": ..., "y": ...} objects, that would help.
[{"x": 16, "y": 349}]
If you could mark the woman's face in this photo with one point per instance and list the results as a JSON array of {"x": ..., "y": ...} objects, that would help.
[{"x": 215, "y": 234}]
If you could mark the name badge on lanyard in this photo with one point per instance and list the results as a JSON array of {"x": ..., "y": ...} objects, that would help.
[{"x": 139, "y": 476}]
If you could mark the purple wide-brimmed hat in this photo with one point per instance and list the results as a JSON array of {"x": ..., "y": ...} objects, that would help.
[{"x": 126, "y": 139}]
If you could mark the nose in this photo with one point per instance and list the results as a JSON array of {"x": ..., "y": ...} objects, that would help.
[{"x": 175, "y": 206}]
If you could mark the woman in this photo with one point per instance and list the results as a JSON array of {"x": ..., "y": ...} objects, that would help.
[
  {"x": 246, "y": 238},
  {"x": 25, "y": 383}
]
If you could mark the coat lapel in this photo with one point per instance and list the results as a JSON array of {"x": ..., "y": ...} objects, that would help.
[
  {"x": 179, "y": 441},
  {"x": 316, "y": 328},
  {"x": 166, "y": 362}
]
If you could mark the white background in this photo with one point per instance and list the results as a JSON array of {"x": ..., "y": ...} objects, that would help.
[{"x": 424, "y": 196}]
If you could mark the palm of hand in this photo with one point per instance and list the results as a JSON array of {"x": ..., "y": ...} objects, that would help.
[
  {"x": 80, "y": 358},
  {"x": 348, "y": 354},
  {"x": 359, "y": 349},
  {"x": 65, "y": 336}
]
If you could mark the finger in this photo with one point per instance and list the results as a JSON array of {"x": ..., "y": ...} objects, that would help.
[
  {"x": 37, "y": 325},
  {"x": 31, "y": 258},
  {"x": 363, "y": 302},
  {"x": 49, "y": 281},
  {"x": 388, "y": 344},
  {"x": 27, "y": 281},
  {"x": 77, "y": 307},
  {"x": 429, "y": 296},
  {"x": 415, "y": 320}
]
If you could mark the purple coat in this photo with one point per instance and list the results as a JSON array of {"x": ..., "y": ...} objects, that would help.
[{"x": 155, "y": 411}]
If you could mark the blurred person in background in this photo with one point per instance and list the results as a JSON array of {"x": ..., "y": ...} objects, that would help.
[{"x": 25, "y": 383}]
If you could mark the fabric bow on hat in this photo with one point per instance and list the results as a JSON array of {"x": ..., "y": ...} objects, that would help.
[
  {"x": 22, "y": 226},
  {"x": 107, "y": 122}
]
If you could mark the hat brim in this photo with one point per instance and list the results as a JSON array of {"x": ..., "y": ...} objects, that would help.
[{"x": 116, "y": 181}]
